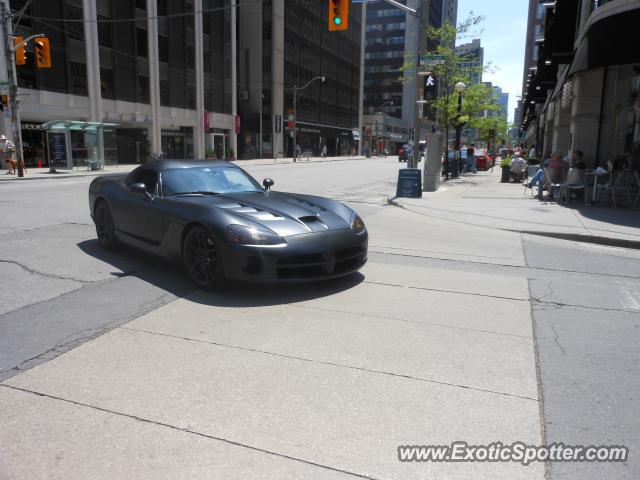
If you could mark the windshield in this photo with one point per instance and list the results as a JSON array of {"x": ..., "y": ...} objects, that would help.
[{"x": 177, "y": 181}]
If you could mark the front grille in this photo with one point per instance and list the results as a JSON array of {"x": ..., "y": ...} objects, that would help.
[
  {"x": 315, "y": 265},
  {"x": 348, "y": 253},
  {"x": 302, "y": 259}
]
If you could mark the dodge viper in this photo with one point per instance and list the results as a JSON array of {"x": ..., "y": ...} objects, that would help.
[{"x": 220, "y": 223}]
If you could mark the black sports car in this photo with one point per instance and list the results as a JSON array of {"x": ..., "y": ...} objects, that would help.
[{"x": 220, "y": 223}]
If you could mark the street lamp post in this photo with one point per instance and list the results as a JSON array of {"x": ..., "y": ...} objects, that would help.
[
  {"x": 297, "y": 89},
  {"x": 459, "y": 87}
]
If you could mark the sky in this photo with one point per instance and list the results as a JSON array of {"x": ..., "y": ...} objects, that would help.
[{"x": 503, "y": 33}]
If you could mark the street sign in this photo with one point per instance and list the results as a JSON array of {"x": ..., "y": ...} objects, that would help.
[
  {"x": 409, "y": 183},
  {"x": 430, "y": 60},
  {"x": 278, "y": 123}
]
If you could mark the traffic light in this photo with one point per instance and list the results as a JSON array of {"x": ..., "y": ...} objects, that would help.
[
  {"x": 21, "y": 54},
  {"x": 43, "y": 52},
  {"x": 430, "y": 87},
  {"x": 338, "y": 15}
]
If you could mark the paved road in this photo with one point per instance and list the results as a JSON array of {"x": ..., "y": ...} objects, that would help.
[
  {"x": 64, "y": 285},
  {"x": 439, "y": 340}
]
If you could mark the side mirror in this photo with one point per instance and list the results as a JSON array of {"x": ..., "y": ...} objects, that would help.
[
  {"x": 138, "y": 187},
  {"x": 268, "y": 183}
]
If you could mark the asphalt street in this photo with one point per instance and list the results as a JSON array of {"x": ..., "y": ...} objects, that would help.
[{"x": 455, "y": 330}]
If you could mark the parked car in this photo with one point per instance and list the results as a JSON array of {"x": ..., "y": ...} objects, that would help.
[
  {"x": 483, "y": 159},
  {"x": 221, "y": 223}
]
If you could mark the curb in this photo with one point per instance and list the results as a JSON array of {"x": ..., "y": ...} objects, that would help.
[
  {"x": 51, "y": 176},
  {"x": 593, "y": 239}
]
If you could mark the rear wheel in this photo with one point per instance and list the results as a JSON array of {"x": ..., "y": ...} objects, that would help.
[
  {"x": 201, "y": 258},
  {"x": 105, "y": 228}
]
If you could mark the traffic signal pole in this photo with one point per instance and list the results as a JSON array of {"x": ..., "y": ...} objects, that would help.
[{"x": 12, "y": 80}]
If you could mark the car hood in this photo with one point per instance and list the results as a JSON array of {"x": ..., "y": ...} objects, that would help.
[{"x": 284, "y": 213}]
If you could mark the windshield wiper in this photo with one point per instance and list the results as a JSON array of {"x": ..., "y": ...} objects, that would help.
[{"x": 199, "y": 192}]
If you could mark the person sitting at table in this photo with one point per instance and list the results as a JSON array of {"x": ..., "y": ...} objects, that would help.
[
  {"x": 538, "y": 178},
  {"x": 577, "y": 160}
]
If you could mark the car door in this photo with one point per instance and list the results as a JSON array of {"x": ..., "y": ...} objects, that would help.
[{"x": 141, "y": 216}]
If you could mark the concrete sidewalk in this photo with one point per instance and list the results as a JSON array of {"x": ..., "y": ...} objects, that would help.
[
  {"x": 319, "y": 381},
  {"x": 481, "y": 200},
  {"x": 43, "y": 173}
]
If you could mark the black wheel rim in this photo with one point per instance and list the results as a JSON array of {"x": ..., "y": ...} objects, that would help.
[
  {"x": 201, "y": 256},
  {"x": 104, "y": 226}
]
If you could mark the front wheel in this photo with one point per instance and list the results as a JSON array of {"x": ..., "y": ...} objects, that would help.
[
  {"x": 201, "y": 258},
  {"x": 105, "y": 228}
]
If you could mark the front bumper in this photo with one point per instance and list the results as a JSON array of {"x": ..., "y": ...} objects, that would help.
[{"x": 310, "y": 256}]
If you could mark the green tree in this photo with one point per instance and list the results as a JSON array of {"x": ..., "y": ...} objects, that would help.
[{"x": 452, "y": 69}]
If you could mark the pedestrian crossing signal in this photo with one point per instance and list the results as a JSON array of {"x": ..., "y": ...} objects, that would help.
[
  {"x": 21, "y": 54},
  {"x": 338, "y": 15},
  {"x": 43, "y": 52}
]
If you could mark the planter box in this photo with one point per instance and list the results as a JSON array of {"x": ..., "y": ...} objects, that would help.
[{"x": 506, "y": 175}]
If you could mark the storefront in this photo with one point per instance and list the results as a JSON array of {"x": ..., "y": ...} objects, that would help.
[
  {"x": 34, "y": 144},
  {"x": 216, "y": 143},
  {"x": 312, "y": 138},
  {"x": 177, "y": 143}
]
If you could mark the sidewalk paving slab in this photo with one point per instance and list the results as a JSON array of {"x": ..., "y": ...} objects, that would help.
[
  {"x": 75, "y": 442},
  {"x": 344, "y": 418}
]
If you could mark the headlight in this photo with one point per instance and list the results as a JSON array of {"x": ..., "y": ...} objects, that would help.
[
  {"x": 244, "y": 235},
  {"x": 357, "y": 224}
]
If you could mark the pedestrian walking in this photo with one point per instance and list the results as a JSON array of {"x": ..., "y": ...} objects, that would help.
[
  {"x": 324, "y": 151},
  {"x": 469, "y": 164},
  {"x": 7, "y": 150}
]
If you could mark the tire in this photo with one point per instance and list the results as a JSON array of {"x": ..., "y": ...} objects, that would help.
[
  {"x": 201, "y": 259},
  {"x": 105, "y": 228}
]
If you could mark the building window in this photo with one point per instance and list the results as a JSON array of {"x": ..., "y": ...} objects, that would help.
[
  {"x": 162, "y": 7},
  {"x": 165, "y": 93},
  {"x": 141, "y": 4},
  {"x": 78, "y": 73},
  {"x": 143, "y": 89},
  {"x": 104, "y": 32},
  {"x": 106, "y": 83},
  {"x": 191, "y": 97},
  {"x": 142, "y": 47},
  {"x": 191, "y": 56},
  {"x": 75, "y": 28},
  {"x": 163, "y": 48}
]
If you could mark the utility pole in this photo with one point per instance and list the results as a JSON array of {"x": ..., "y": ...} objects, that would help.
[
  {"x": 12, "y": 80},
  {"x": 12, "y": 77}
]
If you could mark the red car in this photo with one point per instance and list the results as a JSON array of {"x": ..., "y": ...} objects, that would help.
[{"x": 484, "y": 161}]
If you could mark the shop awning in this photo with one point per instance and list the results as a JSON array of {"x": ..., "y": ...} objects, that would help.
[
  {"x": 612, "y": 40},
  {"x": 77, "y": 125}
]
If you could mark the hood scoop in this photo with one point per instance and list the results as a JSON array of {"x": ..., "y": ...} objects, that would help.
[
  {"x": 314, "y": 223},
  {"x": 250, "y": 212}
]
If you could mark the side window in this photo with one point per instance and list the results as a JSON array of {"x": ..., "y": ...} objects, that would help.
[{"x": 148, "y": 177}]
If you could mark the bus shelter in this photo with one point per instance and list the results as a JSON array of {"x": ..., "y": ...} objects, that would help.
[{"x": 80, "y": 145}]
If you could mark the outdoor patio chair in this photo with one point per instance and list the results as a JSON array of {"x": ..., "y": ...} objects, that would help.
[
  {"x": 575, "y": 181},
  {"x": 531, "y": 172},
  {"x": 553, "y": 181}
]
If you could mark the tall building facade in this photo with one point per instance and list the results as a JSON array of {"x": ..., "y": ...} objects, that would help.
[
  {"x": 502, "y": 99},
  {"x": 535, "y": 36},
  {"x": 157, "y": 71},
  {"x": 392, "y": 40},
  {"x": 282, "y": 45},
  {"x": 188, "y": 78},
  {"x": 583, "y": 92}
]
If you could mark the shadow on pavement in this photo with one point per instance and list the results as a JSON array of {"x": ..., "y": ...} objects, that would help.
[{"x": 171, "y": 278}]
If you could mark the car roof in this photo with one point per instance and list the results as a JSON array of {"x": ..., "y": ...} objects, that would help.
[{"x": 165, "y": 164}]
